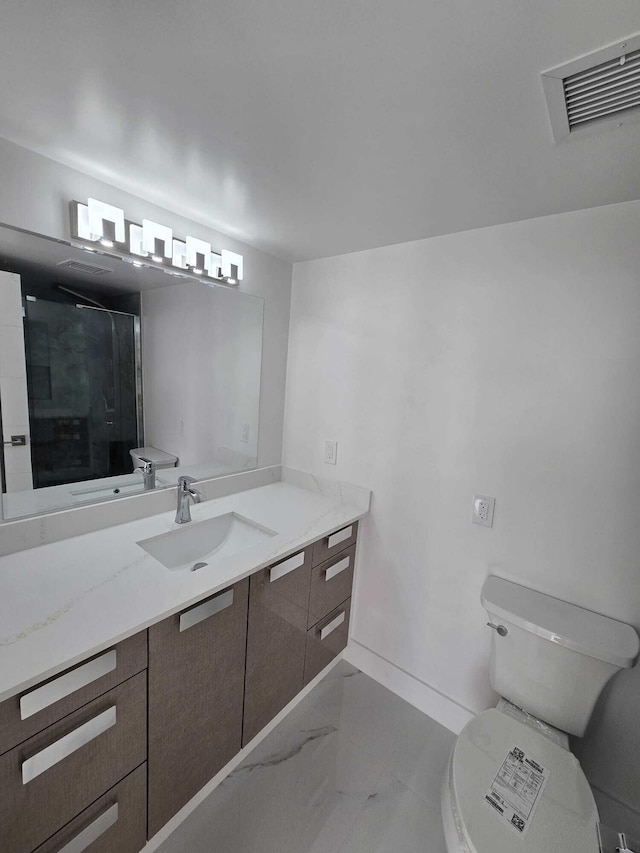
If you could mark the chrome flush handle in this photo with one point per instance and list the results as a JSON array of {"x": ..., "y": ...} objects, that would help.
[{"x": 500, "y": 629}]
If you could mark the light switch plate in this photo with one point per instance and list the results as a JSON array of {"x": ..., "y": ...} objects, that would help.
[
  {"x": 330, "y": 452},
  {"x": 482, "y": 511}
]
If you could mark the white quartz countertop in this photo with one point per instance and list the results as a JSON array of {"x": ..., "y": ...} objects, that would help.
[{"x": 63, "y": 602}]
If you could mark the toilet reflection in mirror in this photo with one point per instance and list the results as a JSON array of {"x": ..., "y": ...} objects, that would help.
[{"x": 102, "y": 364}]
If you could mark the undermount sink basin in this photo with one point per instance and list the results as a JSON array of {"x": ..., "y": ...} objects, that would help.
[{"x": 193, "y": 545}]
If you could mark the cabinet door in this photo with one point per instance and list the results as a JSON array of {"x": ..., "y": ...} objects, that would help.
[
  {"x": 196, "y": 684},
  {"x": 278, "y": 612}
]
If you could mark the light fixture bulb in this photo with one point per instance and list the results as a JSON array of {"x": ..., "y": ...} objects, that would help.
[
  {"x": 231, "y": 281},
  {"x": 156, "y": 258},
  {"x": 107, "y": 243}
]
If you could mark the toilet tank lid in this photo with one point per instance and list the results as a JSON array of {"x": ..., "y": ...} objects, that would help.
[{"x": 560, "y": 622}]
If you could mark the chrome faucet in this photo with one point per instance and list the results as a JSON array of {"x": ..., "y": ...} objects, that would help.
[
  {"x": 185, "y": 496},
  {"x": 148, "y": 471}
]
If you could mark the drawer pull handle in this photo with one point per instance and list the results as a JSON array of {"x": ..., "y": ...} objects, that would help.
[
  {"x": 203, "y": 611},
  {"x": 331, "y": 627},
  {"x": 40, "y": 698},
  {"x": 286, "y": 566},
  {"x": 340, "y": 536},
  {"x": 334, "y": 570},
  {"x": 92, "y": 832},
  {"x": 51, "y": 755}
]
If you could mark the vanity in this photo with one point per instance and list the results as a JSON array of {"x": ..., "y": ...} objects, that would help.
[{"x": 128, "y": 679}]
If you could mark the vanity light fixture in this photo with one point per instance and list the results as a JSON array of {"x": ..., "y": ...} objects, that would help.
[
  {"x": 106, "y": 222},
  {"x": 231, "y": 265},
  {"x": 157, "y": 240},
  {"x": 98, "y": 222},
  {"x": 215, "y": 265},
  {"x": 179, "y": 255},
  {"x": 135, "y": 240},
  {"x": 198, "y": 255}
]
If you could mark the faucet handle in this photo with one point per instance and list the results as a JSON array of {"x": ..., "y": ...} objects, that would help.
[
  {"x": 148, "y": 466},
  {"x": 184, "y": 481}
]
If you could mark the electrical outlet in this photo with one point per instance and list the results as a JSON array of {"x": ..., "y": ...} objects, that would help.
[
  {"x": 330, "y": 452},
  {"x": 482, "y": 512},
  {"x": 244, "y": 432}
]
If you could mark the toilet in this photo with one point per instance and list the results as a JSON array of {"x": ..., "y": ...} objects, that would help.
[
  {"x": 512, "y": 784},
  {"x": 161, "y": 459}
]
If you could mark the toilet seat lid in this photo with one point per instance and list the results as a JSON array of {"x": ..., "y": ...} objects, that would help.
[{"x": 503, "y": 771}]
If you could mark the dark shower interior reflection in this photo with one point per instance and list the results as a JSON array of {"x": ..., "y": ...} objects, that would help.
[{"x": 81, "y": 381}]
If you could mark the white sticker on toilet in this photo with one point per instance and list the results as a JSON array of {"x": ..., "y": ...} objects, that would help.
[{"x": 517, "y": 789}]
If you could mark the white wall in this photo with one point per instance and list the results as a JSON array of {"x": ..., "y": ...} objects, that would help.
[
  {"x": 14, "y": 403},
  {"x": 201, "y": 352},
  {"x": 504, "y": 361},
  {"x": 35, "y": 196}
]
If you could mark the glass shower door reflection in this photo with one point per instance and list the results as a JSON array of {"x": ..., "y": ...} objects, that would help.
[{"x": 83, "y": 390}]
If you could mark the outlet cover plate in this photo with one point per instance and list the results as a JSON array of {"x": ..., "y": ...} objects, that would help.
[
  {"x": 330, "y": 452},
  {"x": 482, "y": 510}
]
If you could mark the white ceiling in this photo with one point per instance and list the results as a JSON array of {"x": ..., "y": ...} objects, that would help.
[{"x": 312, "y": 128}]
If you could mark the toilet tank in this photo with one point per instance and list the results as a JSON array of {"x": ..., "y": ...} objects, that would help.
[{"x": 555, "y": 657}]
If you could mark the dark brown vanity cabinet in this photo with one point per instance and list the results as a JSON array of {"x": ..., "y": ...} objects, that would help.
[
  {"x": 102, "y": 755},
  {"x": 276, "y": 640},
  {"x": 330, "y": 599},
  {"x": 53, "y": 776},
  {"x": 298, "y": 622},
  {"x": 196, "y": 686}
]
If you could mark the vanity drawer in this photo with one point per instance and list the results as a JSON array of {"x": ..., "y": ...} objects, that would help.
[
  {"x": 49, "y": 779},
  {"x": 326, "y": 639},
  {"x": 331, "y": 584},
  {"x": 115, "y": 823},
  {"x": 334, "y": 543},
  {"x": 29, "y": 713}
]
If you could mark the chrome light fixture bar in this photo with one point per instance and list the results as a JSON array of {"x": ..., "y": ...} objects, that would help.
[{"x": 106, "y": 225}]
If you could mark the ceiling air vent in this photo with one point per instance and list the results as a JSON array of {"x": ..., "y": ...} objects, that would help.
[
  {"x": 80, "y": 266},
  {"x": 600, "y": 89}
]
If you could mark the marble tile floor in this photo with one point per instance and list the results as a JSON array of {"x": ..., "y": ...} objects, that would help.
[{"x": 352, "y": 769}]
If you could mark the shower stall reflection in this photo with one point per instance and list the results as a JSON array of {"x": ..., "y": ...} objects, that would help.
[{"x": 84, "y": 391}]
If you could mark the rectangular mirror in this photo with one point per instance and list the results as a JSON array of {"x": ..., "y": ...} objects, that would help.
[{"x": 105, "y": 364}]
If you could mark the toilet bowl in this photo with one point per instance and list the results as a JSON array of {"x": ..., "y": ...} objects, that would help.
[
  {"x": 511, "y": 787},
  {"x": 512, "y": 783}
]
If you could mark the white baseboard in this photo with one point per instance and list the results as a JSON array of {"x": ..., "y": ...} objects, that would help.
[
  {"x": 203, "y": 793},
  {"x": 421, "y": 695}
]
